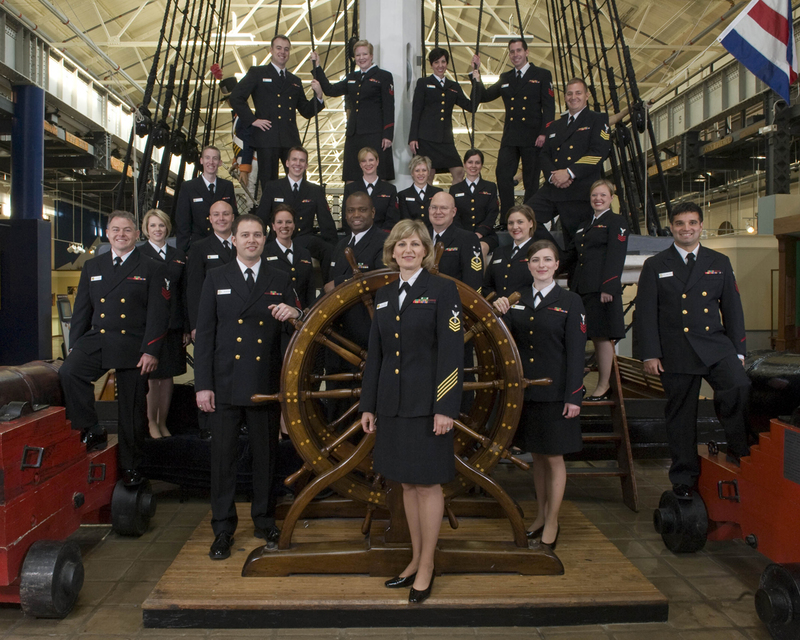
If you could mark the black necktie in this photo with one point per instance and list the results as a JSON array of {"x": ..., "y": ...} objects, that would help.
[
  {"x": 289, "y": 255},
  {"x": 227, "y": 246},
  {"x": 514, "y": 252},
  {"x": 421, "y": 195},
  {"x": 162, "y": 254},
  {"x": 369, "y": 188},
  {"x": 363, "y": 75},
  {"x": 295, "y": 189},
  {"x": 519, "y": 74},
  {"x": 537, "y": 299},
  {"x": 283, "y": 75},
  {"x": 436, "y": 239},
  {"x": 250, "y": 280},
  {"x": 117, "y": 261},
  {"x": 211, "y": 188},
  {"x": 571, "y": 120},
  {"x": 472, "y": 187},
  {"x": 690, "y": 262},
  {"x": 352, "y": 243},
  {"x": 404, "y": 289}
]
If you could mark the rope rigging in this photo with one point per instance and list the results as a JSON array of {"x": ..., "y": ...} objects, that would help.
[{"x": 314, "y": 97}]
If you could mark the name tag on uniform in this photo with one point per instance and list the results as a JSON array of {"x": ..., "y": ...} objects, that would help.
[
  {"x": 213, "y": 257},
  {"x": 498, "y": 261},
  {"x": 503, "y": 86},
  {"x": 381, "y": 305},
  {"x": 197, "y": 200},
  {"x": 94, "y": 278},
  {"x": 579, "y": 230},
  {"x": 223, "y": 292},
  {"x": 351, "y": 82},
  {"x": 411, "y": 199},
  {"x": 278, "y": 199},
  {"x": 552, "y": 135},
  {"x": 518, "y": 307},
  {"x": 665, "y": 274},
  {"x": 271, "y": 258},
  {"x": 333, "y": 264},
  {"x": 458, "y": 195},
  {"x": 266, "y": 79},
  {"x": 431, "y": 86}
]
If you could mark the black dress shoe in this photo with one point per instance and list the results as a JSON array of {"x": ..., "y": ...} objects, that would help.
[
  {"x": 604, "y": 396},
  {"x": 205, "y": 434},
  {"x": 95, "y": 439},
  {"x": 535, "y": 533},
  {"x": 131, "y": 478},
  {"x": 416, "y": 597},
  {"x": 552, "y": 545},
  {"x": 270, "y": 534},
  {"x": 221, "y": 547},
  {"x": 398, "y": 582},
  {"x": 682, "y": 491}
]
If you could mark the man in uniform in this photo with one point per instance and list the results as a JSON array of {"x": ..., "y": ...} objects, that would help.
[
  {"x": 277, "y": 96},
  {"x": 308, "y": 201},
  {"x": 682, "y": 292},
  {"x": 196, "y": 197},
  {"x": 238, "y": 353},
  {"x": 572, "y": 159},
  {"x": 213, "y": 251},
  {"x": 462, "y": 257},
  {"x": 120, "y": 319},
  {"x": 527, "y": 92}
]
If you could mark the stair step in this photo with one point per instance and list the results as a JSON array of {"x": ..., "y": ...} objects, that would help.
[
  {"x": 602, "y": 437},
  {"x": 605, "y": 472}
]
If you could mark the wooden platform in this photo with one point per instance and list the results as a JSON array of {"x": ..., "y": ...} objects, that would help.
[{"x": 599, "y": 586}]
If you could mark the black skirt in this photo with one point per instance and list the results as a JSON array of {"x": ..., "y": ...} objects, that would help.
[
  {"x": 407, "y": 450},
  {"x": 172, "y": 359},
  {"x": 351, "y": 170},
  {"x": 443, "y": 155},
  {"x": 603, "y": 320},
  {"x": 543, "y": 429}
]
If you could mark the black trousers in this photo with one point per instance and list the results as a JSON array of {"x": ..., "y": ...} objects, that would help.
[
  {"x": 270, "y": 159},
  {"x": 263, "y": 425},
  {"x": 77, "y": 376},
  {"x": 573, "y": 213},
  {"x": 508, "y": 158},
  {"x": 731, "y": 393},
  {"x": 319, "y": 249}
]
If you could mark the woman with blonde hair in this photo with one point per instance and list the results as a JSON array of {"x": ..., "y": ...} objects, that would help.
[{"x": 415, "y": 200}]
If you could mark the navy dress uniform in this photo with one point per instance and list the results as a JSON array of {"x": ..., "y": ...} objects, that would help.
[
  {"x": 691, "y": 318},
  {"x": 121, "y": 312},
  {"x": 414, "y": 370},
  {"x": 508, "y": 270},
  {"x": 204, "y": 255},
  {"x": 551, "y": 339},
  {"x": 191, "y": 210},
  {"x": 599, "y": 251},
  {"x": 477, "y": 209},
  {"x": 298, "y": 267},
  {"x": 432, "y": 120},
  {"x": 278, "y": 99},
  {"x": 172, "y": 359},
  {"x": 238, "y": 353},
  {"x": 384, "y": 198},
  {"x": 369, "y": 99},
  {"x": 529, "y": 106},
  {"x": 309, "y": 204},
  {"x": 581, "y": 148},
  {"x": 462, "y": 258},
  {"x": 412, "y": 206}
]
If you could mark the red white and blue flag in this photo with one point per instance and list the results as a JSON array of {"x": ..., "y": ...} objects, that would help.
[{"x": 762, "y": 39}]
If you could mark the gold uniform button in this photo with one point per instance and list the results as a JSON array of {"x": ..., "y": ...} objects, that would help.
[
  {"x": 706, "y": 328},
  {"x": 122, "y": 301},
  {"x": 279, "y": 106},
  {"x": 704, "y": 294},
  {"x": 239, "y": 339},
  {"x": 397, "y": 371},
  {"x": 123, "y": 331},
  {"x": 686, "y": 329},
  {"x": 122, "y": 316},
  {"x": 571, "y": 147},
  {"x": 397, "y": 353},
  {"x": 259, "y": 341},
  {"x": 102, "y": 330},
  {"x": 237, "y": 356},
  {"x": 685, "y": 312},
  {"x": 294, "y": 279},
  {"x": 683, "y": 296},
  {"x": 397, "y": 318},
  {"x": 523, "y": 119},
  {"x": 569, "y": 157},
  {"x": 102, "y": 315},
  {"x": 512, "y": 99},
  {"x": 258, "y": 358},
  {"x": 241, "y": 321},
  {"x": 260, "y": 323},
  {"x": 441, "y": 118},
  {"x": 396, "y": 335},
  {"x": 531, "y": 359},
  {"x": 292, "y": 268},
  {"x": 531, "y": 332},
  {"x": 705, "y": 310},
  {"x": 102, "y": 299}
]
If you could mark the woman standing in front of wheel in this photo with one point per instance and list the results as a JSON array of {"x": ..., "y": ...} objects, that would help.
[
  {"x": 413, "y": 380},
  {"x": 549, "y": 329},
  {"x": 599, "y": 251},
  {"x": 285, "y": 255},
  {"x": 369, "y": 101},
  {"x": 476, "y": 201}
]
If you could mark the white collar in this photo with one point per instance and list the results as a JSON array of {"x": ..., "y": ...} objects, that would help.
[
  {"x": 438, "y": 79},
  {"x": 546, "y": 291},
  {"x": 597, "y": 216},
  {"x": 374, "y": 184},
  {"x": 203, "y": 175},
  {"x": 121, "y": 257},
  {"x": 256, "y": 267},
  {"x": 299, "y": 183},
  {"x": 683, "y": 253},
  {"x": 223, "y": 240},
  {"x": 568, "y": 114},
  {"x": 367, "y": 69},
  {"x": 524, "y": 69},
  {"x": 278, "y": 69},
  {"x": 284, "y": 249},
  {"x": 358, "y": 236},
  {"x": 157, "y": 248},
  {"x": 412, "y": 279}
]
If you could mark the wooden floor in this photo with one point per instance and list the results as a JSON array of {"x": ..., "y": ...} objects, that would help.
[{"x": 599, "y": 586}]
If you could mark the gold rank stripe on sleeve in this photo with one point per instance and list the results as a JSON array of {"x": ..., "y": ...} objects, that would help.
[
  {"x": 605, "y": 135},
  {"x": 446, "y": 385},
  {"x": 588, "y": 160}
]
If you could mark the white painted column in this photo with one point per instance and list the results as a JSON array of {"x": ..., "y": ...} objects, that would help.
[{"x": 393, "y": 28}]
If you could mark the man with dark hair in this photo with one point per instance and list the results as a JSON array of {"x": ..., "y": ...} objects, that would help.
[
  {"x": 238, "y": 353},
  {"x": 119, "y": 322},
  {"x": 690, "y": 324},
  {"x": 309, "y": 203},
  {"x": 196, "y": 197},
  {"x": 527, "y": 93},
  {"x": 277, "y": 95},
  {"x": 572, "y": 160}
]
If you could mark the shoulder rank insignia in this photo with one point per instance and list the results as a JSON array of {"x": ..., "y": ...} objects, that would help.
[
  {"x": 583, "y": 323},
  {"x": 476, "y": 262},
  {"x": 455, "y": 322},
  {"x": 621, "y": 234}
]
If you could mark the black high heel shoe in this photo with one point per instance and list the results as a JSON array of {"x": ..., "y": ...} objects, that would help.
[
  {"x": 552, "y": 545},
  {"x": 605, "y": 396},
  {"x": 398, "y": 582},
  {"x": 535, "y": 533},
  {"x": 417, "y": 597}
]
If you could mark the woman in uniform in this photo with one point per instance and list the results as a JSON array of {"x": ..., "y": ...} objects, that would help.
[
  {"x": 600, "y": 249},
  {"x": 431, "y": 132},
  {"x": 413, "y": 381},
  {"x": 508, "y": 270},
  {"x": 549, "y": 329},
  {"x": 476, "y": 201},
  {"x": 369, "y": 100},
  {"x": 382, "y": 193},
  {"x": 283, "y": 254},
  {"x": 415, "y": 200},
  {"x": 156, "y": 227}
]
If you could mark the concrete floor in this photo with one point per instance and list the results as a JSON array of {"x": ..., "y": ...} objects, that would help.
[{"x": 710, "y": 593}]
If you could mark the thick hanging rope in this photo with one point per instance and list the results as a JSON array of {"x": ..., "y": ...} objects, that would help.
[
  {"x": 519, "y": 20},
  {"x": 474, "y": 93},
  {"x": 278, "y": 19},
  {"x": 314, "y": 97},
  {"x": 436, "y": 7}
]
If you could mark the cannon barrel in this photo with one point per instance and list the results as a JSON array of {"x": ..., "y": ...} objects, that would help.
[
  {"x": 775, "y": 376},
  {"x": 35, "y": 382}
]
